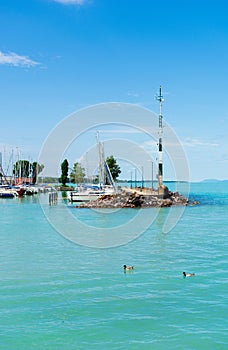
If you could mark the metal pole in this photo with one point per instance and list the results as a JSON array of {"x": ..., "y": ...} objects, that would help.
[
  {"x": 135, "y": 177},
  {"x": 142, "y": 178},
  {"x": 152, "y": 173}
]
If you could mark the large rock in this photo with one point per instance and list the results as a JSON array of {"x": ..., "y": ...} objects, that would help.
[{"x": 130, "y": 199}]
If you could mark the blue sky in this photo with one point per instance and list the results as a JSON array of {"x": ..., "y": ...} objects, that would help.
[{"x": 59, "y": 56}]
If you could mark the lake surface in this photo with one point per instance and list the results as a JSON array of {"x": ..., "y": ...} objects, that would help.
[{"x": 57, "y": 294}]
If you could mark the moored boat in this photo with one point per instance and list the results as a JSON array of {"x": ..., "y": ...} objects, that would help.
[
  {"x": 106, "y": 185},
  {"x": 7, "y": 191},
  {"x": 89, "y": 193},
  {"x": 6, "y": 194}
]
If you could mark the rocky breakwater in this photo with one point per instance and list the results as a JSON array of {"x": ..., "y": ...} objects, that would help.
[{"x": 136, "y": 199}]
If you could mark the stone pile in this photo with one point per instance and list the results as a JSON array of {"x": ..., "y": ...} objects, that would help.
[{"x": 130, "y": 199}]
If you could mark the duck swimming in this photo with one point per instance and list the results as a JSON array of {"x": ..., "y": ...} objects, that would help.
[
  {"x": 128, "y": 267},
  {"x": 188, "y": 274}
]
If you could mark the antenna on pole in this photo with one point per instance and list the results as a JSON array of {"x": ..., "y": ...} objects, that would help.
[{"x": 160, "y": 99}]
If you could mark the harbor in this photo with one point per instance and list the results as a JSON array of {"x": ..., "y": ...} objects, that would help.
[
  {"x": 113, "y": 175},
  {"x": 106, "y": 192}
]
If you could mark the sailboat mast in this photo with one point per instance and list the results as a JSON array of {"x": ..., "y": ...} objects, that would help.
[{"x": 100, "y": 147}]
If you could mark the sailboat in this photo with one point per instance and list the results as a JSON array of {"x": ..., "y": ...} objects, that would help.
[{"x": 91, "y": 192}]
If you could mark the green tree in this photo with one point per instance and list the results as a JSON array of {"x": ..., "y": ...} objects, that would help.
[
  {"x": 64, "y": 175},
  {"x": 36, "y": 169},
  {"x": 113, "y": 167},
  {"x": 22, "y": 169},
  {"x": 78, "y": 174}
]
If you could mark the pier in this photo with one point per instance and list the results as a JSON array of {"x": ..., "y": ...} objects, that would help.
[
  {"x": 137, "y": 198},
  {"x": 53, "y": 198}
]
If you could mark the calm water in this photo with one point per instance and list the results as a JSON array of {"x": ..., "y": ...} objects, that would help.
[{"x": 58, "y": 295}]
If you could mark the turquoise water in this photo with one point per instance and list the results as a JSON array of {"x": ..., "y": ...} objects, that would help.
[{"x": 59, "y": 295}]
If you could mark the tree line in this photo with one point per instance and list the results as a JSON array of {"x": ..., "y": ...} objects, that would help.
[
  {"x": 24, "y": 171},
  {"x": 28, "y": 172},
  {"x": 78, "y": 174}
]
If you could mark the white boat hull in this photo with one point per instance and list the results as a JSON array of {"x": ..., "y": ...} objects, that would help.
[
  {"x": 87, "y": 196},
  {"x": 80, "y": 197}
]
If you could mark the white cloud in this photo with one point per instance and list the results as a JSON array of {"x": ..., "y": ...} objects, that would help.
[
  {"x": 73, "y": 2},
  {"x": 12, "y": 59},
  {"x": 191, "y": 142},
  {"x": 133, "y": 94},
  {"x": 123, "y": 130}
]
